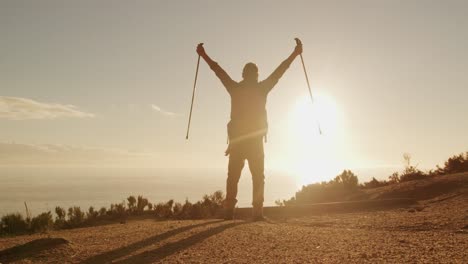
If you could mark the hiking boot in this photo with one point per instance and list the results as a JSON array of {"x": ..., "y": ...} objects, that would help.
[{"x": 257, "y": 213}]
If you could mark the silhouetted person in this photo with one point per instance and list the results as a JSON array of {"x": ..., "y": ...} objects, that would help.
[{"x": 248, "y": 127}]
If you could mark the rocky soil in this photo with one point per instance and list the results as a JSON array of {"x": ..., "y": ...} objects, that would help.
[{"x": 433, "y": 231}]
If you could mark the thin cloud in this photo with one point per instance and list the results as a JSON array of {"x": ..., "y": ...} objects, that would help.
[
  {"x": 162, "y": 111},
  {"x": 18, "y": 108},
  {"x": 21, "y": 154}
]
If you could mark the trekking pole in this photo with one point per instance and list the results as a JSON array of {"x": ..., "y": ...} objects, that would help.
[
  {"x": 298, "y": 42},
  {"x": 193, "y": 96}
]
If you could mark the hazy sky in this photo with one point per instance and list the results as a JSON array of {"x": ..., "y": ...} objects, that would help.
[{"x": 109, "y": 83}]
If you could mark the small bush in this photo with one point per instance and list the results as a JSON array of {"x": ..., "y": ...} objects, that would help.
[
  {"x": 455, "y": 164},
  {"x": 394, "y": 178},
  {"x": 111, "y": 211},
  {"x": 14, "y": 224},
  {"x": 76, "y": 217},
  {"x": 186, "y": 210},
  {"x": 177, "y": 210},
  {"x": 335, "y": 190},
  {"x": 374, "y": 183},
  {"x": 347, "y": 179},
  {"x": 199, "y": 211},
  {"x": 209, "y": 206},
  {"x": 60, "y": 220},
  {"x": 213, "y": 203},
  {"x": 131, "y": 203},
  {"x": 42, "y": 222},
  {"x": 102, "y": 211},
  {"x": 164, "y": 210},
  {"x": 412, "y": 173},
  {"x": 91, "y": 215},
  {"x": 141, "y": 204},
  {"x": 119, "y": 212},
  {"x": 279, "y": 202}
]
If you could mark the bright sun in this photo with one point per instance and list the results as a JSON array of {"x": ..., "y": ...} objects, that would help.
[{"x": 313, "y": 156}]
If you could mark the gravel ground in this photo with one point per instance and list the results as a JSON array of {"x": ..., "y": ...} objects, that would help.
[{"x": 434, "y": 231}]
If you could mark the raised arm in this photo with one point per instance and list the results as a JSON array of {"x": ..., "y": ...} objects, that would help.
[
  {"x": 222, "y": 75},
  {"x": 274, "y": 77}
]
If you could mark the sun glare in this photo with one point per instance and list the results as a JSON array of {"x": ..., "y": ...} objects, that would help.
[{"x": 313, "y": 156}]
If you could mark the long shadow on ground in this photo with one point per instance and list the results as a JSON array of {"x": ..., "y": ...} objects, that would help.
[
  {"x": 127, "y": 250},
  {"x": 151, "y": 256},
  {"x": 30, "y": 249}
]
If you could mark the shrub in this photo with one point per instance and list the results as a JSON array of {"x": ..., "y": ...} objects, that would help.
[
  {"x": 455, "y": 164},
  {"x": 42, "y": 222},
  {"x": 394, "y": 178},
  {"x": 131, "y": 203},
  {"x": 186, "y": 210},
  {"x": 177, "y": 210},
  {"x": 335, "y": 190},
  {"x": 280, "y": 203},
  {"x": 76, "y": 217},
  {"x": 291, "y": 201},
  {"x": 209, "y": 206},
  {"x": 120, "y": 212},
  {"x": 141, "y": 204},
  {"x": 374, "y": 183},
  {"x": 412, "y": 173},
  {"x": 92, "y": 215},
  {"x": 347, "y": 180},
  {"x": 102, "y": 211},
  {"x": 199, "y": 211},
  {"x": 111, "y": 211},
  {"x": 213, "y": 204},
  {"x": 164, "y": 210},
  {"x": 60, "y": 220},
  {"x": 14, "y": 224}
]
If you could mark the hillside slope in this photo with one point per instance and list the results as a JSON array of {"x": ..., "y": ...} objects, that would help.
[
  {"x": 423, "y": 189},
  {"x": 433, "y": 231}
]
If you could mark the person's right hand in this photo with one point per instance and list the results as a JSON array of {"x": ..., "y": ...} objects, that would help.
[{"x": 201, "y": 50}]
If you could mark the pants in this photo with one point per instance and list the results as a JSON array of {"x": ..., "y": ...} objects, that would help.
[{"x": 251, "y": 150}]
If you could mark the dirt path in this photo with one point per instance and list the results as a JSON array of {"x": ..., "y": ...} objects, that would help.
[{"x": 435, "y": 231}]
